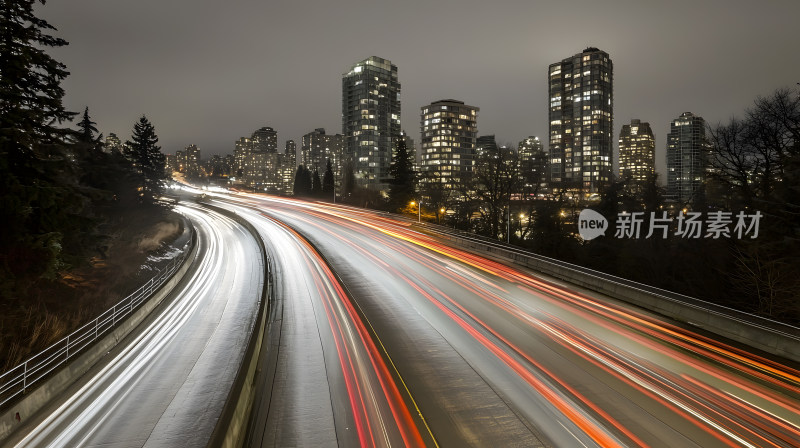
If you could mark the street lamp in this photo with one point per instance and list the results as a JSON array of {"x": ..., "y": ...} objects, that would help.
[
  {"x": 508, "y": 225},
  {"x": 419, "y": 210}
]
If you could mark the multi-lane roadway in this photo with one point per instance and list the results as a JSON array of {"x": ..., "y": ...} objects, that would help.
[
  {"x": 384, "y": 336},
  {"x": 485, "y": 354}
]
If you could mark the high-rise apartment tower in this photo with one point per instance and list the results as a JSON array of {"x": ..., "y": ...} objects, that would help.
[
  {"x": 371, "y": 119},
  {"x": 686, "y": 144},
  {"x": 449, "y": 131},
  {"x": 581, "y": 120},
  {"x": 637, "y": 151}
]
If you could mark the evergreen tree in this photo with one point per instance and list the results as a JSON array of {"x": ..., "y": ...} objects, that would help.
[
  {"x": 401, "y": 189},
  {"x": 147, "y": 158},
  {"x": 302, "y": 181},
  {"x": 40, "y": 206},
  {"x": 86, "y": 129},
  {"x": 108, "y": 178},
  {"x": 87, "y": 147},
  {"x": 316, "y": 183},
  {"x": 308, "y": 182},
  {"x": 349, "y": 180},
  {"x": 30, "y": 86},
  {"x": 297, "y": 182},
  {"x": 327, "y": 179}
]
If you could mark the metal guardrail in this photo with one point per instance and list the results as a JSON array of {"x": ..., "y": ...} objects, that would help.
[
  {"x": 17, "y": 380},
  {"x": 749, "y": 319},
  {"x": 236, "y": 417}
]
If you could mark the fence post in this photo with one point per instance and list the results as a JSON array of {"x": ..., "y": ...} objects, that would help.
[
  {"x": 114, "y": 316},
  {"x": 96, "y": 319},
  {"x": 67, "y": 348},
  {"x": 25, "y": 377}
]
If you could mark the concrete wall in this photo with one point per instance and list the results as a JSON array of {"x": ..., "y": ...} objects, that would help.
[
  {"x": 41, "y": 395},
  {"x": 763, "y": 334},
  {"x": 231, "y": 427}
]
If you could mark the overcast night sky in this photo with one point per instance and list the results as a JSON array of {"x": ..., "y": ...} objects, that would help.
[{"x": 207, "y": 72}]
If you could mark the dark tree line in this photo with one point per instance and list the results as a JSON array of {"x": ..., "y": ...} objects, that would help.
[
  {"x": 310, "y": 184},
  {"x": 328, "y": 182},
  {"x": 755, "y": 165},
  {"x": 303, "y": 182},
  {"x": 403, "y": 183},
  {"x": 58, "y": 190}
]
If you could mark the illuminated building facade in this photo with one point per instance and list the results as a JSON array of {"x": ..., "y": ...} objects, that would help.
[
  {"x": 581, "y": 120},
  {"x": 240, "y": 153},
  {"x": 265, "y": 140},
  {"x": 371, "y": 119},
  {"x": 319, "y": 147},
  {"x": 533, "y": 167},
  {"x": 449, "y": 130},
  {"x": 192, "y": 167},
  {"x": 258, "y": 161},
  {"x": 686, "y": 143},
  {"x": 637, "y": 151},
  {"x": 113, "y": 143},
  {"x": 287, "y": 166}
]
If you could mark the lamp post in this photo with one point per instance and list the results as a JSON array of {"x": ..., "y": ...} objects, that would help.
[
  {"x": 419, "y": 210},
  {"x": 508, "y": 226}
]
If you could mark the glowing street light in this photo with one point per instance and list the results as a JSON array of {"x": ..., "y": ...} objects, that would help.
[{"x": 419, "y": 210}]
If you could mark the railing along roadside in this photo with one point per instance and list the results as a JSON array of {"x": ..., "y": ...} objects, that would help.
[
  {"x": 19, "y": 379},
  {"x": 756, "y": 331},
  {"x": 497, "y": 247}
]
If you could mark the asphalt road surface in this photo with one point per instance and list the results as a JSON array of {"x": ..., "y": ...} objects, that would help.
[
  {"x": 486, "y": 354},
  {"x": 165, "y": 385},
  {"x": 385, "y": 336}
]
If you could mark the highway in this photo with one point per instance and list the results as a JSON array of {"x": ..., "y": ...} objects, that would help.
[
  {"x": 165, "y": 384},
  {"x": 485, "y": 353},
  {"x": 384, "y": 336},
  {"x": 332, "y": 387}
]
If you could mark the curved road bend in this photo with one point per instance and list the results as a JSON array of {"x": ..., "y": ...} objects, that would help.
[
  {"x": 165, "y": 385},
  {"x": 332, "y": 386},
  {"x": 498, "y": 356}
]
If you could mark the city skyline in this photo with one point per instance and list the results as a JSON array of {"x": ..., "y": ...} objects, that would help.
[{"x": 249, "y": 80}]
